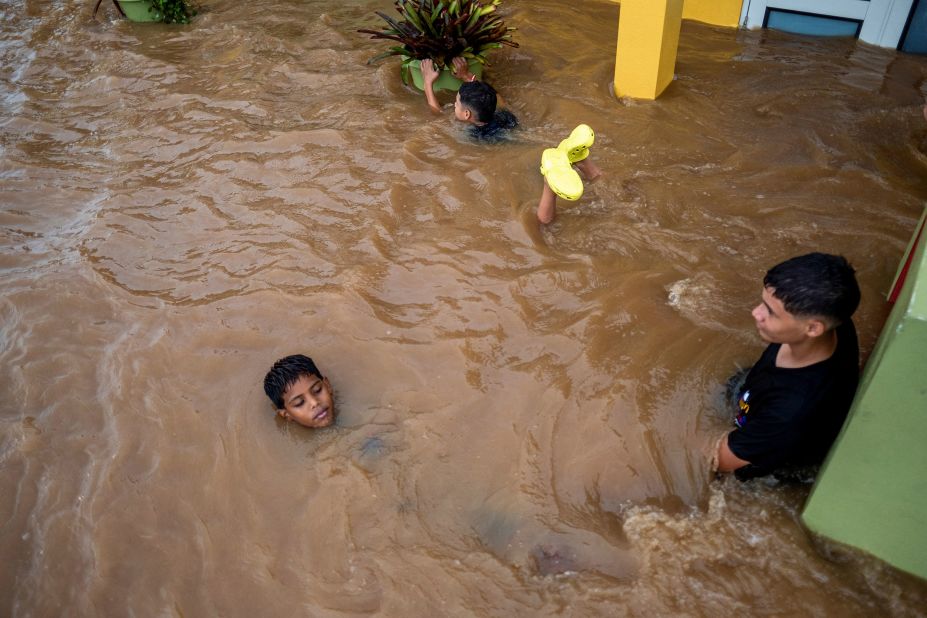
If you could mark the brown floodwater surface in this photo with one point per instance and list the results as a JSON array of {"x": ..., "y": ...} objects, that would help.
[{"x": 524, "y": 411}]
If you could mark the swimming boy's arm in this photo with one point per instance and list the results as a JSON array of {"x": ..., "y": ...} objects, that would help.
[{"x": 429, "y": 75}]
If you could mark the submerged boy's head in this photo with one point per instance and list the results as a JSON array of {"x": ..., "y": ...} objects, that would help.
[
  {"x": 476, "y": 102},
  {"x": 300, "y": 392}
]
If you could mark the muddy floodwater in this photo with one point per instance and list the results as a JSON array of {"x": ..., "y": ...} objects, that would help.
[{"x": 524, "y": 410}]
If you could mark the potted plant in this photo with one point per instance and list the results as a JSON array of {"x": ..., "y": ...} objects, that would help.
[
  {"x": 167, "y": 11},
  {"x": 442, "y": 30}
]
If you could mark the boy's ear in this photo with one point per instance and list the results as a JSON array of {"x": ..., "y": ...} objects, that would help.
[
  {"x": 815, "y": 328},
  {"x": 282, "y": 413}
]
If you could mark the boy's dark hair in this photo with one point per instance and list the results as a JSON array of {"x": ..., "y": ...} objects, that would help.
[
  {"x": 480, "y": 97},
  {"x": 285, "y": 372},
  {"x": 816, "y": 285}
]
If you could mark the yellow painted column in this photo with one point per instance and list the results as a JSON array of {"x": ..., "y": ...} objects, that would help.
[{"x": 648, "y": 35}]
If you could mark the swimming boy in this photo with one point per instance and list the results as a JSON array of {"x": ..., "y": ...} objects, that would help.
[
  {"x": 797, "y": 395},
  {"x": 475, "y": 104},
  {"x": 300, "y": 392}
]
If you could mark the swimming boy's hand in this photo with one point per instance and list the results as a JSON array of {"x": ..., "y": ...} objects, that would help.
[
  {"x": 429, "y": 76},
  {"x": 461, "y": 70},
  {"x": 429, "y": 71}
]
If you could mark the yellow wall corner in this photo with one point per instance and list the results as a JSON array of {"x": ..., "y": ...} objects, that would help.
[{"x": 716, "y": 12}]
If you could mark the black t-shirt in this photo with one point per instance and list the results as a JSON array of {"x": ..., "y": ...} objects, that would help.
[
  {"x": 792, "y": 416},
  {"x": 496, "y": 129}
]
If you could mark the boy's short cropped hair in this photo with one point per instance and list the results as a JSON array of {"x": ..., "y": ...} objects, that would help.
[
  {"x": 480, "y": 97},
  {"x": 286, "y": 372},
  {"x": 816, "y": 285}
]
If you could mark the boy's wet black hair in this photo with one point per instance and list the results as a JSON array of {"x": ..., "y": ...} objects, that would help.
[
  {"x": 816, "y": 285},
  {"x": 480, "y": 97},
  {"x": 285, "y": 372}
]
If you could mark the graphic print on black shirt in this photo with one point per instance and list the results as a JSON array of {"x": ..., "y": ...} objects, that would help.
[{"x": 740, "y": 418}]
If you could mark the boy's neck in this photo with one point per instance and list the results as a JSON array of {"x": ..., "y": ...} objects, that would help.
[{"x": 807, "y": 352}]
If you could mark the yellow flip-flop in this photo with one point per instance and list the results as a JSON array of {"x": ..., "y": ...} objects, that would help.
[
  {"x": 560, "y": 175},
  {"x": 578, "y": 144}
]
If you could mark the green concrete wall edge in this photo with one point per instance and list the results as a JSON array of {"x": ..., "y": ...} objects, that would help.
[{"x": 871, "y": 492}]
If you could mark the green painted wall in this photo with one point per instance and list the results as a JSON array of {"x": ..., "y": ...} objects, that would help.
[{"x": 872, "y": 491}]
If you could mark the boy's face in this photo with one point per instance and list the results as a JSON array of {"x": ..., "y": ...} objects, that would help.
[
  {"x": 461, "y": 111},
  {"x": 309, "y": 402},
  {"x": 776, "y": 325}
]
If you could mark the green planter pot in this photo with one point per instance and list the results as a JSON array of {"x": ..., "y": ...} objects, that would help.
[
  {"x": 411, "y": 71},
  {"x": 137, "y": 10}
]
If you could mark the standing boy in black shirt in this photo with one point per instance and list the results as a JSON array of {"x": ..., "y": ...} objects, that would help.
[{"x": 796, "y": 397}]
